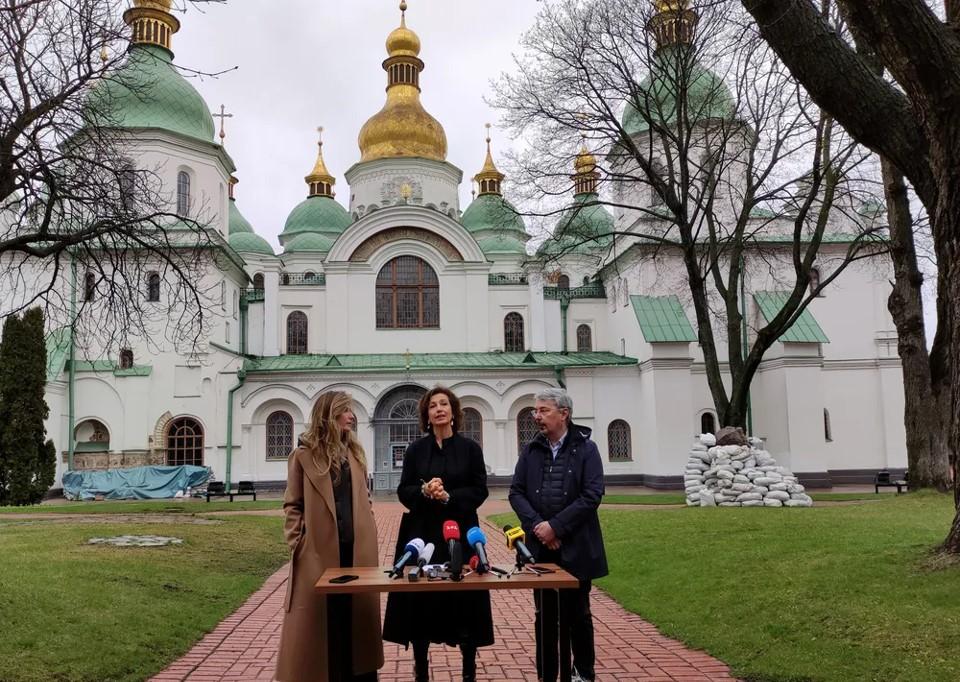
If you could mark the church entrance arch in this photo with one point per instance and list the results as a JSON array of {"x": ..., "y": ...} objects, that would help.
[{"x": 396, "y": 424}]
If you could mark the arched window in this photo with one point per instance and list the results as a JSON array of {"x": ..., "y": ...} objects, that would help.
[
  {"x": 513, "y": 333},
  {"x": 185, "y": 442},
  {"x": 563, "y": 282},
  {"x": 827, "y": 428},
  {"x": 89, "y": 286},
  {"x": 584, "y": 339},
  {"x": 527, "y": 428},
  {"x": 126, "y": 358},
  {"x": 618, "y": 440},
  {"x": 408, "y": 295},
  {"x": 815, "y": 280},
  {"x": 183, "y": 193},
  {"x": 309, "y": 276},
  {"x": 296, "y": 333},
  {"x": 404, "y": 428},
  {"x": 153, "y": 286},
  {"x": 708, "y": 423},
  {"x": 258, "y": 281},
  {"x": 279, "y": 435},
  {"x": 472, "y": 426}
]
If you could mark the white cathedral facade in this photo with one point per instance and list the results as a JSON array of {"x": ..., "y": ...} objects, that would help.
[{"x": 405, "y": 288}]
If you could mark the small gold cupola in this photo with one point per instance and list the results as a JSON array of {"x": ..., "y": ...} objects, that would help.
[
  {"x": 674, "y": 23},
  {"x": 585, "y": 174},
  {"x": 151, "y": 22},
  {"x": 402, "y": 128},
  {"x": 489, "y": 179},
  {"x": 320, "y": 181}
]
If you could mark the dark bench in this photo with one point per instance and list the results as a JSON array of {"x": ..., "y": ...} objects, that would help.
[
  {"x": 244, "y": 488},
  {"x": 883, "y": 480},
  {"x": 217, "y": 489}
]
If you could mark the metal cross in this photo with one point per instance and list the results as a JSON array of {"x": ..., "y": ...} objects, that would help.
[{"x": 222, "y": 115}]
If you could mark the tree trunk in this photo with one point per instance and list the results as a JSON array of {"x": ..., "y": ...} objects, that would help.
[{"x": 926, "y": 432}]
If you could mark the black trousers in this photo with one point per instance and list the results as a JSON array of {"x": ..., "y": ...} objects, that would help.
[
  {"x": 340, "y": 631},
  {"x": 576, "y": 605},
  {"x": 421, "y": 658}
]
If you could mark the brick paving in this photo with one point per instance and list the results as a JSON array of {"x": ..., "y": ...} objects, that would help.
[{"x": 244, "y": 645}]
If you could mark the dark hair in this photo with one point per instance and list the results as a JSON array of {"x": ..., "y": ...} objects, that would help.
[{"x": 455, "y": 412}]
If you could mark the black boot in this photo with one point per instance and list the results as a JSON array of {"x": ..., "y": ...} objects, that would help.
[
  {"x": 421, "y": 661},
  {"x": 469, "y": 654}
]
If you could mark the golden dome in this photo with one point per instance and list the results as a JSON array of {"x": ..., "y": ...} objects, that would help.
[
  {"x": 162, "y": 5},
  {"x": 585, "y": 174},
  {"x": 320, "y": 181},
  {"x": 585, "y": 162},
  {"x": 402, "y": 128},
  {"x": 489, "y": 177}
]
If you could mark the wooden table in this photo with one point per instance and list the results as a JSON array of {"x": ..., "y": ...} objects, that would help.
[{"x": 375, "y": 579}]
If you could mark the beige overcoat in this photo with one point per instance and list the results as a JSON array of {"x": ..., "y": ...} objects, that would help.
[{"x": 311, "y": 532}]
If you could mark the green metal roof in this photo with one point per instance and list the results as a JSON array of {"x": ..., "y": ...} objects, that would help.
[
  {"x": 309, "y": 241},
  {"x": 433, "y": 361},
  {"x": 247, "y": 242},
  {"x": 805, "y": 330},
  {"x": 707, "y": 95},
  {"x": 58, "y": 348},
  {"x": 586, "y": 225},
  {"x": 105, "y": 366},
  {"x": 316, "y": 214},
  {"x": 237, "y": 223},
  {"x": 662, "y": 319},
  {"x": 148, "y": 92}
]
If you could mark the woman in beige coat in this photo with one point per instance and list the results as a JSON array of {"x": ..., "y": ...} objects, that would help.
[{"x": 329, "y": 522}]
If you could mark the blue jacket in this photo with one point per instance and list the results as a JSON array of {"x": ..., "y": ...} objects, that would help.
[{"x": 577, "y": 525}]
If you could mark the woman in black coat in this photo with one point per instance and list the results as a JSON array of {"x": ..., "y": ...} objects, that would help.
[{"x": 444, "y": 479}]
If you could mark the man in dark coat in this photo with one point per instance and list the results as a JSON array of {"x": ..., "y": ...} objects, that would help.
[{"x": 556, "y": 489}]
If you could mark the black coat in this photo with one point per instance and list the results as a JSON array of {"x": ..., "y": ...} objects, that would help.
[
  {"x": 449, "y": 617},
  {"x": 577, "y": 525}
]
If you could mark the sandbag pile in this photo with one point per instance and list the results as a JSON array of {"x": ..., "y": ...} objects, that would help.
[{"x": 739, "y": 476}]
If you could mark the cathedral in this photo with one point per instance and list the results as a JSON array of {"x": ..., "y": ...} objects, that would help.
[{"x": 391, "y": 286}]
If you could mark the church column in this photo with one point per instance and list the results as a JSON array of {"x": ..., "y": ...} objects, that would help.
[
  {"x": 271, "y": 313},
  {"x": 538, "y": 336}
]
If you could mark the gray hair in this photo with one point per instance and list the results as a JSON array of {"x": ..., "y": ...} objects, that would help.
[{"x": 558, "y": 397}]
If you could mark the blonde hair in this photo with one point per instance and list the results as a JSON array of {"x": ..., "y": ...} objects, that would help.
[{"x": 326, "y": 441}]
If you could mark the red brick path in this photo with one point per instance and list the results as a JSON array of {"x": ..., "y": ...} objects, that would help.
[{"x": 244, "y": 645}]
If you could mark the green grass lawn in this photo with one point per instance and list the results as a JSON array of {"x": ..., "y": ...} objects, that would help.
[
  {"x": 72, "y": 611},
  {"x": 832, "y": 593},
  {"x": 678, "y": 498},
  {"x": 144, "y": 507}
]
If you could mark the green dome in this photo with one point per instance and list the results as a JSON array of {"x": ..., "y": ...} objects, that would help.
[
  {"x": 707, "y": 95},
  {"x": 581, "y": 228},
  {"x": 309, "y": 241},
  {"x": 147, "y": 92},
  {"x": 496, "y": 225},
  {"x": 238, "y": 224},
  {"x": 502, "y": 243},
  {"x": 316, "y": 214},
  {"x": 248, "y": 242}
]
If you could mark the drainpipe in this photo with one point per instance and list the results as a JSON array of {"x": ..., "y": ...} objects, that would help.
[
  {"x": 558, "y": 373},
  {"x": 71, "y": 372},
  {"x": 564, "y": 305},
  {"x": 241, "y": 376},
  {"x": 743, "y": 334},
  {"x": 243, "y": 323}
]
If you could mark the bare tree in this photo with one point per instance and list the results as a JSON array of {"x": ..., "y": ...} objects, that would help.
[
  {"x": 731, "y": 170},
  {"x": 913, "y": 121},
  {"x": 85, "y": 230}
]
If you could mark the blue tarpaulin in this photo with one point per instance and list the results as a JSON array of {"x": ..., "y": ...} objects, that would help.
[{"x": 139, "y": 483}]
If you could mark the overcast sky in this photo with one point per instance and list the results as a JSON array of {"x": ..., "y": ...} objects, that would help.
[{"x": 306, "y": 63}]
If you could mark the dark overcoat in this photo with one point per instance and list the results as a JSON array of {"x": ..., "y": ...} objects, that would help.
[
  {"x": 449, "y": 617},
  {"x": 577, "y": 525}
]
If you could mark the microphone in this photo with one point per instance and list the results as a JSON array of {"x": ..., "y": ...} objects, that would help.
[
  {"x": 451, "y": 535},
  {"x": 410, "y": 552},
  {"x": 478, "y": 541},
  {"x": 515, "y": 540},
  {"x": 425, "y": 555}
]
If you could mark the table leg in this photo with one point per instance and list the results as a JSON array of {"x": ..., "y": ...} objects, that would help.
[{"x": 563, "y": 612}]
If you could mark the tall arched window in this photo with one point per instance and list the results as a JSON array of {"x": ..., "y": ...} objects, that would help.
[
  {"x": 527, "y": 428},
  {"x": 815, "y": 280},
  {"x": 584, "y": 339},
  {"x": 472, "y": 426},
  {"x": 183, "y": 193},
  {"x": 618, "y": 440},
  {"x": 827, "y": 428},
  {"x": 258, "y": 281},
  {"x": 708, "y": 423},
  {"x": 563, "y": 282},
  {"x": 296, "y": 333},
  {"x": 153, "y": 286},
  {"x": 408, "y": 295},
  {"x": 126, "y": 358},
  {"x": 279, "y": 435},
  {"x": 513, "y": 333},
  {"x": 185, "y": 442},
  {"x": 89, "y": 286}
]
